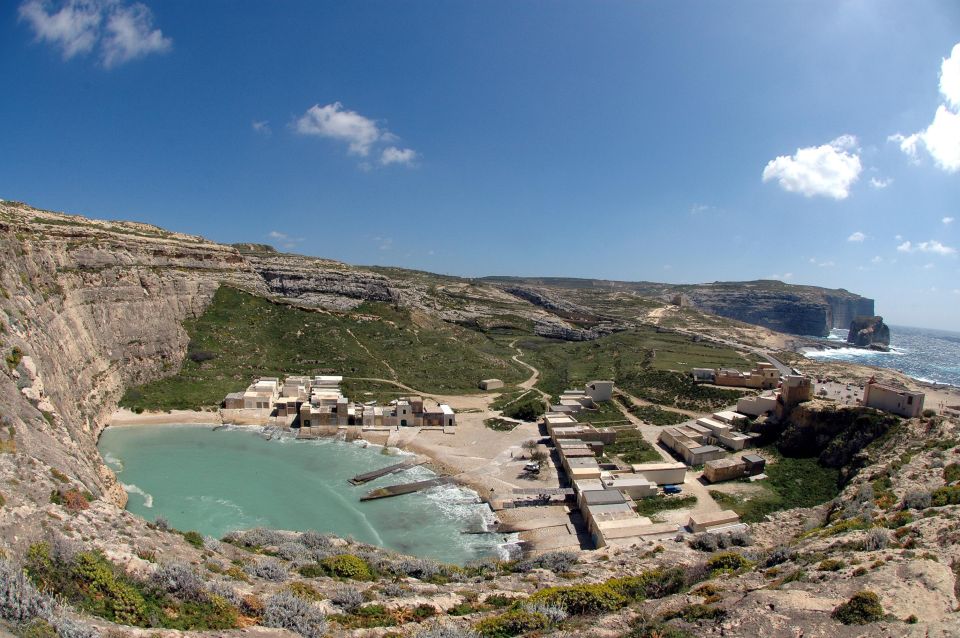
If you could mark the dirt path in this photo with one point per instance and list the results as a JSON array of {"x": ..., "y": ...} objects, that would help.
[
  {"x": 691, "y": 483},
  {"x": 667, "y": 408},
  {"x": 365, "y": 349},
  {"x": 534, "y": 373}
]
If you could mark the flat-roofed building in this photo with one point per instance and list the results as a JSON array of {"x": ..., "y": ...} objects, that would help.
[
  {"x": 599, "y": 391},
  {"x": 633, "y": 485},
  {"x": 897, "y": 401},
  {"x": 491, "y": 384},
  {"x": 757, "y": 406},
  {"x": 668, "y": 473},
  {"x": 726, "y": 469},
  {"x": 704, "y": 375},
  {"x": 729, "y": 417},
  {"x": 704, "y": 521}
]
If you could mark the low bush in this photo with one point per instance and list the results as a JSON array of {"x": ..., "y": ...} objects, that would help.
[
  {"x": 875, "y": 539},
  {"x": 446, "y": 630},
  {"x": 268, "y": 569},
  {"x": 346, "y": 566},
  {"x": 863, "y": 607},
  {"x": 655, "y": 583},
  {"x": 727, "y": 562},
  {"x": 581, "y": 599},
  {"x": 512, "y": 623},
  {"x": 778, "y": 555},
  {"x": 830, "y": 565},
  {"x": 951, "y": 473},
  {"x": 179, "y": 580},
  {"x": 697, "y": 611},
  {"x": 916, "y": 500},
  {"x": 347, "y": 598},
  {"x": 286, "y": 611},
  {"x": 557, "y": 562},
  {"x": 943, "y": 496},
  {"x": 194, "y": 538}
]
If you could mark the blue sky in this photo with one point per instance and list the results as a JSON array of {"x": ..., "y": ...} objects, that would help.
[{"x": 816, "y": 142}]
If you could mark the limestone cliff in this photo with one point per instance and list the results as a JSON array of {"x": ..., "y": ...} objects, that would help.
[{"x": 869, "y": 332}]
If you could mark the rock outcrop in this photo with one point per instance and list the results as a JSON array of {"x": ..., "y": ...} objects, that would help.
[{"x": 869, "y": 332}]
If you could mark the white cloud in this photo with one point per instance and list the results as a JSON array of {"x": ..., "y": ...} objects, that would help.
[
  {"x": 928, "y": 266},
  {"x": 880, "y": 184},
  {"x": 262, "y": 127},
  {"x": 384, "y": 243},
  {"x": 394, "y": 155},
  {"x": 877, "y": 260},
  {"x": 947, "y": 220},
  {"x": 857, "y": 237},
  {"x": 285, "y": 240},
  {"x": 361, "y": 134},
  {"x": 822, "y": 264},
  {"x": 123, "y": 32},
  {"x": 697, "y": 209},
  {"x": 332, "y": 121},
  {"x": 942, "y": 138},
  {"x": 932, "y": 246},
  {"x": 828, "y": 170},
  {"x": 784, "y": 277}
]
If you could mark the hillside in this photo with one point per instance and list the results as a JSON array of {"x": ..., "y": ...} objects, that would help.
[{"x": 91, "y": 310}]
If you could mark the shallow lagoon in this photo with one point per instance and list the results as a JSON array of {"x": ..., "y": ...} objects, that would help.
[{"x": 218, "y": 481}]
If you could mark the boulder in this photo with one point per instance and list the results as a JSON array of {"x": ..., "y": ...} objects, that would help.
[{"x": 869, "y": 332}]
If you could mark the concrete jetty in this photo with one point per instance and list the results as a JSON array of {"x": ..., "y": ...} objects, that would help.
[
  {"x": 366, "y": 477},
  {"x": 406, "y": 488}
]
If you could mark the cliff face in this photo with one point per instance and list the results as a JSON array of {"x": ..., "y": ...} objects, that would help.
[
  {"x": 94, "y": 306},
  {"x": 846, "y": 308}
]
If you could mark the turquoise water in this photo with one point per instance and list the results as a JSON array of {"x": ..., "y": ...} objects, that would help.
[{"x": 218, "y": 481}]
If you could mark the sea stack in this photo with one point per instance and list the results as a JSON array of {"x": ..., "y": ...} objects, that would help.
[{"x": 869, "y": 332}]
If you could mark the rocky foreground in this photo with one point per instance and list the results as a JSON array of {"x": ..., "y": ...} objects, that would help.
[{"x": 88, "y": 308}]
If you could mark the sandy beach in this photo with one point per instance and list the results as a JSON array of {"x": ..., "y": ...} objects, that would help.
[{"x": 124, "y": 417}]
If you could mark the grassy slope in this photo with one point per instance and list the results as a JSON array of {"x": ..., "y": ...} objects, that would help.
[
  {"x": 623, "y": 357},
  {"x": 251, "y": 337}
]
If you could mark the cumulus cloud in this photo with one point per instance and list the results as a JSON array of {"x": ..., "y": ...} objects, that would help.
[
  {"x": 947, "y": 220},
  {"x": 828, "y": 170},
  {"x": 877, "y": 260},
  {"x": 394, "y": 155},
  {"x": 932, "y": 246},
  {"x": 941, "y": 139},
  {"x": 880, "y": 184},
  {"x": 360, "y": 133},
  {"x": 857, "y": 237},
  {"x": 262, "y": 127},
  {"x": 121, "y": 32}
]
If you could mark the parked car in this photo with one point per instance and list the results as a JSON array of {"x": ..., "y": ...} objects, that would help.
[{"x": 672, "y": 489}]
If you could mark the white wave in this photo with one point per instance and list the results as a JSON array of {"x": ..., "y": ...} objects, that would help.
[
  {"x": 113, "y": 462},
  {"x": 852, "y": 353},
  {"x": 133, "y": 489}
]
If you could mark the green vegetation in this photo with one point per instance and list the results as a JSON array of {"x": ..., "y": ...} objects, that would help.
[
  {"x": 14, "y": 358},
  {"x": 727, "y": 562},
  {"x": 249, "y": 336},
  {"x": 505, "y": 399},
  {"x": 631, "y": 447},
  {"x": 94, "y": 585},
  {"x": 606, "y": 413},
  {"x": 581, "y": 599},
  {"x": 951, "y": 473},
  {"x": 339, "y": 566},
  {"x": 947, "y": 495},
  {"x": 500, "y": 425},
  {"x": 529, "y": 408},
  {"x": 655, "y": 504},
  {"x": 862, "y": 608},
  {"x": 790, "y": 483},
  {"x": 369, "y": 616},
  {"x": 652, "y": 414},
  {"x": 9, "y": 445},
  {"x": 511, "y": 623},
  {"x": 622, "y": 357},
  {"x": 194, "y": 538}
]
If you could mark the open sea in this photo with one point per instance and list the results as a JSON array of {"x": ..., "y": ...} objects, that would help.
[
  {"x": 218, "y": 481},
  {"x": 924, "y": 354}
]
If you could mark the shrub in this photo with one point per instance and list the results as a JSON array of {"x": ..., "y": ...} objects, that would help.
[
  {"x": 876, "y": 538},
  {"x": 416, "y": 568},
  {"x": 554, "y": 615},
  {"x": 294, "y": 552},
  {"x": 645, "y": 626},
  {"x": 305, "y": 591},
  {"x": 899, "y": 519},
  {"x": 115, "y": 599},
  {"x": 347, "y": 598},
  {"x": 19, "y": 599},
  {"x": 557, "y": 562},
  {"x": 194, "y": 538},
  {"x": 512, "y": 623},
  {"x": 268, "y": 569},
  {"x": 697, "y": 611},
  {"x": 580, "y": 599},
  {"x": 446, "y": 630},
  {"x": 916, "y": 500},
  {"x": 655, "y": 583},
  {"x": 942, "y": 496},
  {"x": 161, "y": 524},
  {"x": 181, "y": 581},
  {"x": 951, "y": 473},
  {"x": 727, "y": 562},
  {"x": 862, "y": 608},
  {"x": 225, "y": 590},
  {"x": 830, "y": 565},
  {"x": 778, "y": 555},
  {"x": 38, "y": 628},
  {"x": 346, "y": 566},
  {"x": 286, "y": 611},
  {"x": 315, "y": 540}
]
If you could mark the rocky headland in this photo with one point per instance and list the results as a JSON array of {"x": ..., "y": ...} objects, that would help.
[{"x": 869, "y": 332}]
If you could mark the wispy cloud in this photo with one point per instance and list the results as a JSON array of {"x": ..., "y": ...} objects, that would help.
[
  {"x": 120, "y": 32},
  {"x": 361, "y": 134},
  {"x": 285, "y": 240},
  {"x": 394, "y": 155},
  {"x": 947, "y": 220},
  {"x": 877, "y": 260},
  {"x": 880, "y": 183},
  {"x": 828, "y": 170},
  {"x": 822, "y": 264},
  {"x": 787, "y": 276},
  {"x": 932, "y": 246},
  {"x": 262, "y": 127},
  {"x": 857, "y": 237},
  {"x": 384, "y": 243},
  {"x": 941, "y": 138}
]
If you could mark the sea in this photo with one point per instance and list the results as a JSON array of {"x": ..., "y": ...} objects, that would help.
[
  {"x": 927, "y": 355},
  {"x": 216, "y": 481}
]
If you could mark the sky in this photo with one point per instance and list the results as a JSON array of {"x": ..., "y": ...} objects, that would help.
[{"x": 811, "y": 142}]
